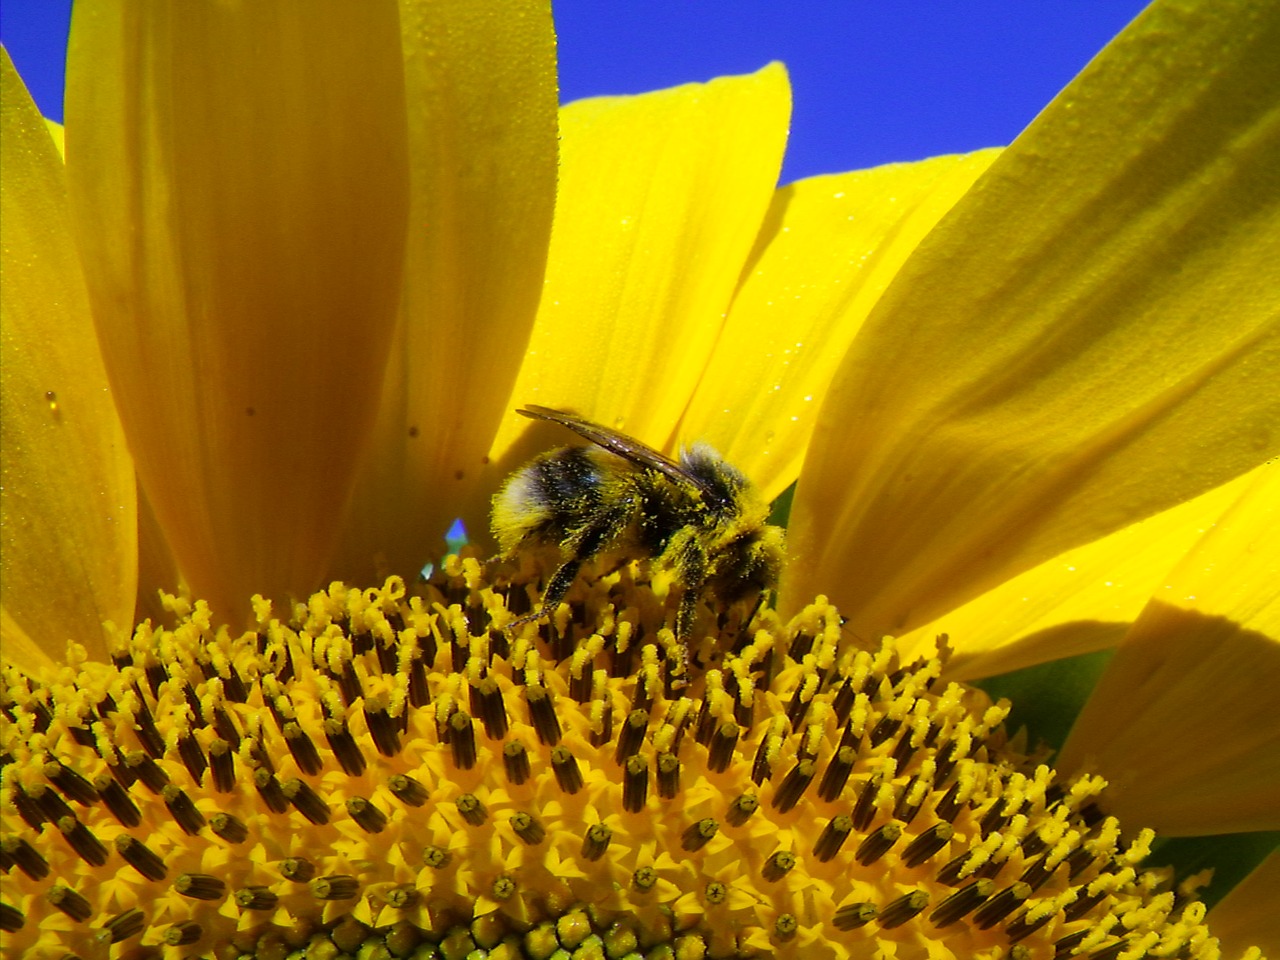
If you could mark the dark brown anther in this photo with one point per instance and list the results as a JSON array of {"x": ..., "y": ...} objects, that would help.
[
  {"x": 297, "y": 869},
  {"x": 82, "y": 841},
  {"x": 368, "y": 817},
  {"x": 644, "y": 879},
  {"x": 854, "y": 915},
  {"x": 182, "y": 934},
  {"x": 631, "y": 735},
  {"x": 704, "y": 725},
  {"x": 148, "y": 733},
  {"x": 996, "y": 817},
  {"x": 437, "y": 858},
  {"x": 742, "y": 808},
  {"x": 1019, "y": 929},
  {"x": 864, "y": 810},
  {"x": 28, "y": 809},
  {"x": 124, "y": 925},
  {"x": 72, "y": 786},
  {"x": 1037, "y": 872},
  {"x": 953, "y": 871},
  {"x": 1001, "y": 905},
  {"x": 69, "y": 902},
  {"x": 1081, "y": 906},
  {"x": 487, "y": 704},
  {"x": 269, "y": 790},
  {"x": 18, "y": 851},
  {"x": 50, "y": 802},
  {"x": 993, "y": 866},
  {"x": 698, "y": 835},
  {"x": 139, "y": 856},
  {"x": 306, "y": 801},
  {"x": 384, "y": 729},
  {"x": 832, "y": 838},
  {"x": 225, "y": 727},
  {"x": 949, "y": 805},
  {"x": 193, "y": 758},
  {"x": 761, "y": 767},
  {"x": 904, "y": 750},
  {"x": 222, "y": 763},
  {"x": 1032, "y": 844},
  {"x": 794, "y": 785},
  {"x": 515, "y": 761},
  {"x": 635, "y": 784},
  {"x": 1078, "y": 861},
  {"x": 472, "y": 810},
  {"x": 801, "y": 644},
  {"x": 182, "y": 809},
  {"x": 945, "y": 760},
  {"x": 906, "y": 809},
  {"x": 419, "y": 692},
  {"x": 668, "y": 776},
  {"x": 964, "y": 900},
  {"x": 885, "y": 728},
  {"x": 303, "y": 748},
  {"x": 527, "y": 828},
  {"x": 117, "y": 800},
  {"x": 596, "y": 841},
  {"x": 407, "y": 790},
  {"x": 11, "y": 919},
  {"x": 927, "y": 844},
  {"x": 400, "y": 897},
  {"x": 348, "y": 683},
  {"x": 200, "y": 886},
  {"x": 147, "y": 770},
  {"x": 798, "y": 705},
  {"x": 565, "y": 767},
  {"x": 1066, "y": 946},
  {"x": 842, "y": 702},
  {"x": 877, "y": 844},
  {"x": 778, "y": 865},
  {"x": 229, "y": 828},
  {"x": 462, "y": 740},
  {"x": 837, "y": 774},
  {"x": 903, "y": 909},
  {"x": 542, "y": 714},
  {"x": 338, "y": 886},
  {"x": 344, "y": 746}
]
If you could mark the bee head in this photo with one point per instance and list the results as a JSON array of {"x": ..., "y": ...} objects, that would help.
[{"x": 722, "y": 483}]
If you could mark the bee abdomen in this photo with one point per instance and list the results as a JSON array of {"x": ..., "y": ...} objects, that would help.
[{"x": 552, "y": 495}]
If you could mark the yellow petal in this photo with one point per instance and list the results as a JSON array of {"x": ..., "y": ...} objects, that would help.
[
  {"x": 69, "y": 559},
  {"x": 482, "y": 129},
  {"x": 1247, "y": 916},
  {"x": 1183, "y": 722},
  {"x": 1080, "y": 601},
  {"x": 661, "y": 198},
  {"x": 238, "y": 174},
  {"x": 828, "y": 248},
  {"x": 1089, "y": 337}
]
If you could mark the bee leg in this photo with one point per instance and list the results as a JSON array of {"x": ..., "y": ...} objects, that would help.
[
  {"x": 585, "y": 544},
  {"x": 688, "y": 558}
]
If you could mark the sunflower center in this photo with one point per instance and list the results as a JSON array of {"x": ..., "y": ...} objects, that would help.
[{"x": 395, "y": 771}]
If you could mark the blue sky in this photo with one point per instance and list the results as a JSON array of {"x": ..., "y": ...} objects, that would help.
[{"x": 874, "y": 80}]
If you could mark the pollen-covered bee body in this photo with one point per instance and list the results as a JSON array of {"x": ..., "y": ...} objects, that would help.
[{"x": 698, "y": 517}]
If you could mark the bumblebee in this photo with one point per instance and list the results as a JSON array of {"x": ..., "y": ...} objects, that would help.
[{"x": 697, "y": 517}]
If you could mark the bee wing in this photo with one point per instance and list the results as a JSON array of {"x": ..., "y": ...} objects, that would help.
[{"x": 628, "y": 448}]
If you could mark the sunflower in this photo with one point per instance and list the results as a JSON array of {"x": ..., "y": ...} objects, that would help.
[{"x": 265, "y": 329}]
